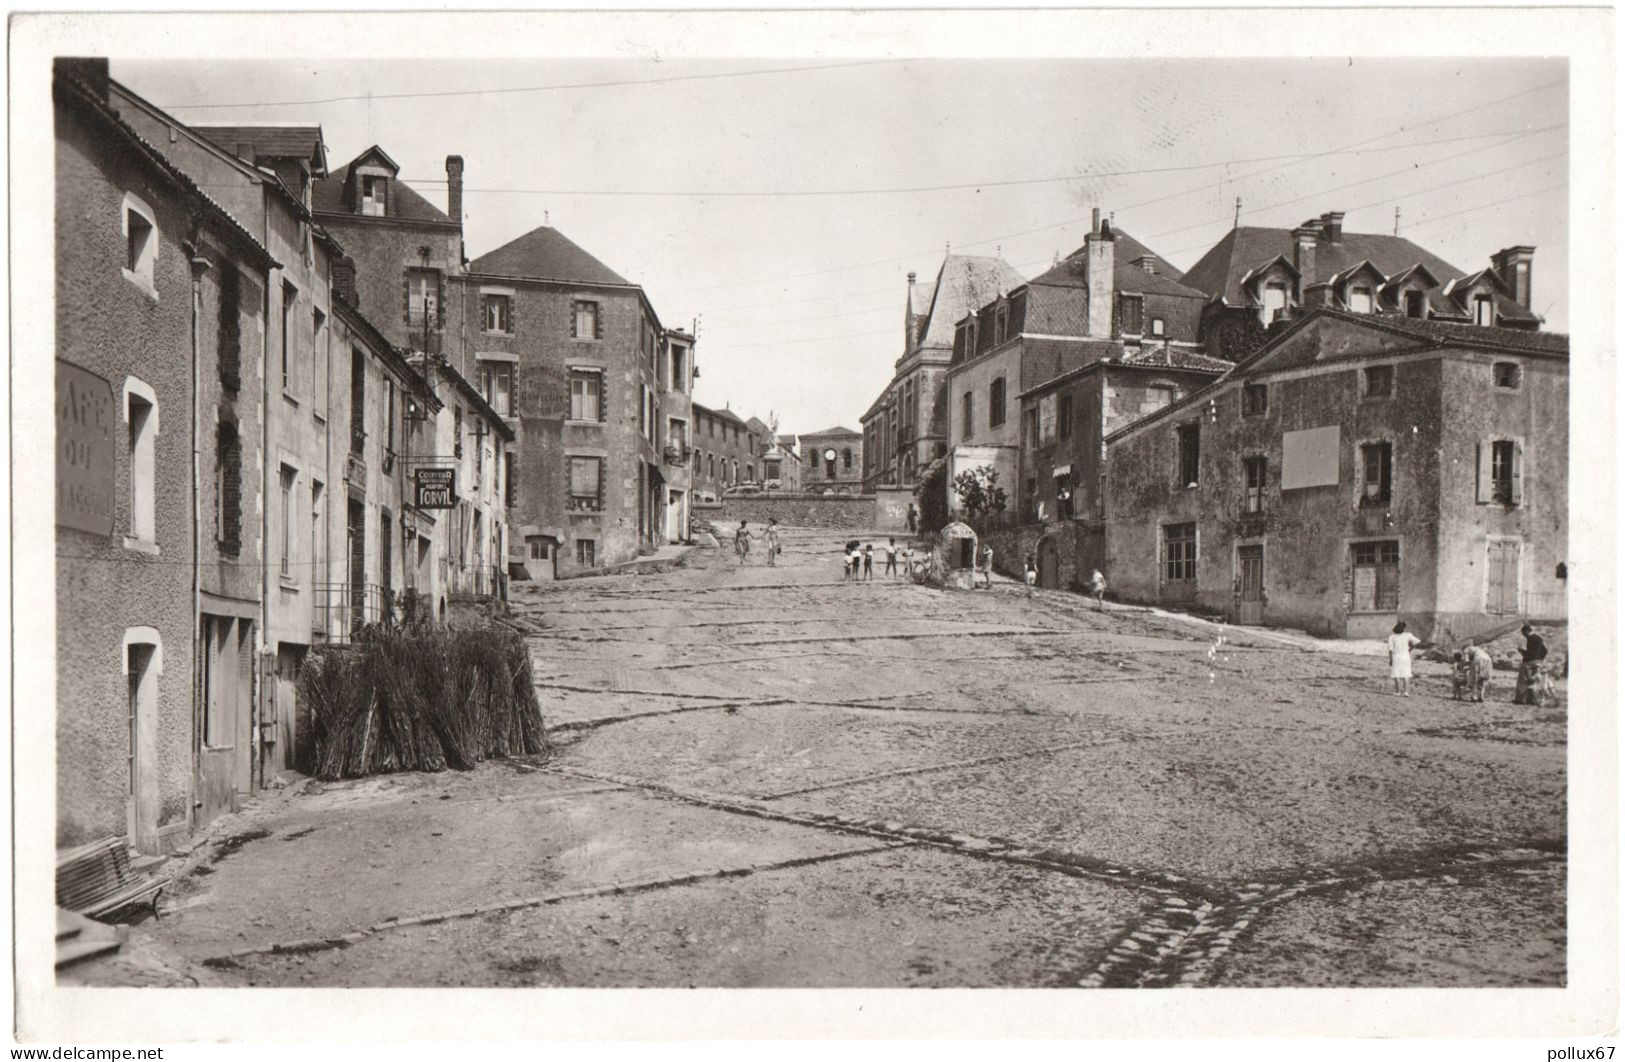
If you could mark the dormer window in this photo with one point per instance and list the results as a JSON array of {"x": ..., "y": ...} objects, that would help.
[
  {"x": 1274, "y": 300},
  {"x": 1001, "y": 325},
  {"x": 1416, "y": 304},
  {"x": 374, "y": 195},
  {"x": 1360, "y": 300},
  {"x": 1484, "y": 311}
]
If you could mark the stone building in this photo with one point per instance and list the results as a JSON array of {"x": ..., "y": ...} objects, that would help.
[
  {"x": 1064, "y": 424},
  {"x": 576, "y": 355},
  {"x": 677, "y": 388},
  {"x": 728, "y": 452},
  {"x": 159, "y": 332},
  {"x": 834, "y": 461},
  {"x": 1360, "y": 469},
  {"x": 1111, "y": 298},
  {"x": 781, "y": 463},
  {"x": 907, "y": 428},
  {"x": 1256, "y": 276},
  {"x": 403, "y": 268}
]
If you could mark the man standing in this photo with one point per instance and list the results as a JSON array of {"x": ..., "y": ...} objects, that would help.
[
  {"x": 891, "y": 557},
  {"x": 913, "y": 519},
  {"x": 986, "y": 566},
  {"x": 1531, "y": 674}
]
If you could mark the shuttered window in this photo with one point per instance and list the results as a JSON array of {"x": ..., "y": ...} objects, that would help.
[
  {"x": 1376, "y": 576},
  {"x": 587, "y": 395},
  {"x": 1500, "y": 472},
  {"x": 586, "y": 484}
]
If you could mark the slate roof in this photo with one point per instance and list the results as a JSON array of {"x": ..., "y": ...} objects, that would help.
[
  {"x": 828, "y": 431},
  {"x": 1223, "y": 268},
  {"x": 1450, "y": 333},
  {"x": 327, "y": 195},
  {"x": 548, "y": 254},
  {"x": 1070, "y": 272},
  {"x": 964, "y": 283},
  {"x": 271, "y": 141}
]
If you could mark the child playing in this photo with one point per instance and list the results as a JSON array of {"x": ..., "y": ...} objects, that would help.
[{"x": 869, "y": 561}]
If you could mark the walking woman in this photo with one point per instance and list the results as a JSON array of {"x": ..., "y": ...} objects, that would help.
[
  {"x": 1400, "y": 644},
  {"x": 742, "y": 542},
  {"x": 772, "y": 537}
]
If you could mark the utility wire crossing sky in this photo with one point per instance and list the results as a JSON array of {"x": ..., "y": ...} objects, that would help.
[{"x": 781, "y": 204}]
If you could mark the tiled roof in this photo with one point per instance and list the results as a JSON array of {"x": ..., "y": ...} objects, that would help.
[
  {"x": 327, "y": 195},
  {"x": 1241, "y": 250},
  {"x": 964, "y": 283},
  {"x": 271, "y": 141},
  {"x": 1470, "y": 335},
  {"x": 1170, "y": 357},
  {"x": 546, "y": 253}
]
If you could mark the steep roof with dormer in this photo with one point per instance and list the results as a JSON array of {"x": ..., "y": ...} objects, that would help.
[
  {"x": 328, "y": 195},
  {"x": 964, "y": 283},
  {"x": 302, "y": 142}
]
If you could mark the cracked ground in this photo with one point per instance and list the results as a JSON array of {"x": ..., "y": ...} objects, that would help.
[{"x": 764, "y": 776}]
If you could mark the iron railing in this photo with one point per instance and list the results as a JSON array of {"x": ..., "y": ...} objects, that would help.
[{"x": 340, "y": 609}]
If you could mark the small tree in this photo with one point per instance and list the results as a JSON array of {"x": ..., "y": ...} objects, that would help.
[
  {"x": 931, "y": 496},
  {"x": 979, "y": 491}
]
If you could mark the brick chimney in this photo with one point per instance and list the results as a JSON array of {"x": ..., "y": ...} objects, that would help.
[
  {"x": 1303, "y": 252},
  {"x": 344, "y": 281},
  {"x": 1100, "y": 254},
  {"x": 1331, "y": 223},
  {"x": 1147, "y": 262},
  {"x": 1516, "y": 266},
  {"x": 454, "y": 187},
  {"x": 91, "y": 71},
  {"x": 1317, "y": 295}
]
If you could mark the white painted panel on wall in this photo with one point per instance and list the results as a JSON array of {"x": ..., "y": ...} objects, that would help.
[{"x": 1309, "y": 458}]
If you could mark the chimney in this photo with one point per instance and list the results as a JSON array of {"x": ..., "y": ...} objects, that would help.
[
  {"x": 1516, "y": 266},
  {"x": 1094, "y": 220},
  {"x": 1331, "y": 223},
  {"x": 912, "y": 321},
  {"x": 454, "y": 187},
  {"x": 1317, "y": 295},
  {"x": 1100, "y": 254},
  {"x": 344, "y": 280},
  {"x": 1303, "y": 252},
  {"x": 1147, "y": 262},
  {"x": 91, "y": 71}
]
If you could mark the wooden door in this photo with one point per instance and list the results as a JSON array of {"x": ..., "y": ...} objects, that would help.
[
  {"x": 1250, "y": 561},
  {"x": 1502, "y": 591},
  {"x": 1049, "y": 565},
  {"x": 143, "y": 800},
  {"x": 218, "y": 735}
]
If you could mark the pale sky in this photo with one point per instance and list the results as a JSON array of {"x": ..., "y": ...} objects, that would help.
[{"x": 800, "y": 297}]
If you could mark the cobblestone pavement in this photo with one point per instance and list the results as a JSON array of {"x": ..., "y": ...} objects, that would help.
[{"x": 768, "y": 776}]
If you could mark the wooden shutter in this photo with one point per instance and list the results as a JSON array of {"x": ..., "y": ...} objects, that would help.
[
  {"x": 603, "y": 397},
  {"x": 1517, "y": 473},
  {"x": 574, "y": 317},
  {"x": 1486, "y": 484},
  {"x": 598, "y": 320}
]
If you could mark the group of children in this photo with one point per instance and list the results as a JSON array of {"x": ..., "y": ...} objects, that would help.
[{"x": 858, "y": 559}]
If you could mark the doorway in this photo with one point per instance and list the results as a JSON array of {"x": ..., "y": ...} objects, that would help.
[
  {"x": 1250, "y": 561},
  {"x": 676, "y": 516},
  {"x": 1501, "y": 592},
  {"x": 1049, "y": 564},
  {"x": 141, "y": 803}
]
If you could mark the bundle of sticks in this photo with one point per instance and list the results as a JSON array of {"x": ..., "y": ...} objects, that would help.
[{"x": 420, "y": 699}]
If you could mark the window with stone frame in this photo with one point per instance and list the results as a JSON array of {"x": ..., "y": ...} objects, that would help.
[
  {"x": 586, "y": 552},
  {"x": 1508, "y": 375},
  {"x": 1188, "y": 439},
  {"x": 1376, "y": 475},
  {"x": 1130, "y": 315},
  {"x": 586, "y": 320},
  {"x": 1179, "y": 553},
  {"x": 586, "y": 484},
  {"x": 1375, "y": 582},
  {"x": 1255, "y": 400},
  {"x": 995, "y": 403},
  {"x": 423, "y": 298},
  {"x": 1416, "y": 303},
  {"x": 1254, "y": 470},
  {"x": 498, "y": 313},
  {"x": 1377, "y": 381},
  {"x": 496, "y": 385},
  {"x": 587, "y": 395},
  {"x": 968, "y": 415}
]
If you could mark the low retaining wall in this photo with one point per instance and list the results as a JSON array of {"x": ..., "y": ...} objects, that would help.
[
  {"x": 796, "y": 509},
  {"x": 1078, "y": 550}
]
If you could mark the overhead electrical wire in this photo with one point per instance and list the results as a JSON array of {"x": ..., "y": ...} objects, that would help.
[{"x": 370, "y": 97}]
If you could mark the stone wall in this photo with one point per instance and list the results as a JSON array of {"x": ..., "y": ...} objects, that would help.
[{"x": 847, "y": 511}]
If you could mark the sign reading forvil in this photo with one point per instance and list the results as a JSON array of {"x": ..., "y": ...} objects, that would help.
[
  {"x": 436, "y": 488},
  {"x": 85, "y": 422}
]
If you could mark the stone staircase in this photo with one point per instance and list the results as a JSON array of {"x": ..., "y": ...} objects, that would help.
[{"x": 80, "y": 939}]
